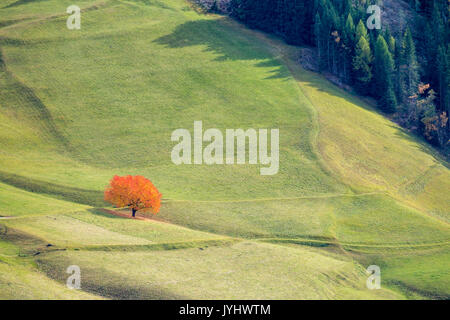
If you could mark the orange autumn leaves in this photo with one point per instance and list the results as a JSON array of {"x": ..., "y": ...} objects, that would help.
[{"x": 135, "y": 192}]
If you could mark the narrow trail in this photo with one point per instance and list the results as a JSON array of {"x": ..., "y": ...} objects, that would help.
[
  {"x": 325, "y": 196},
  {"x": 194, "y": 244},
  {"x": 48, "y": 214},
  {"x": 344, "y": 244},
  {"x": 418, "y": 177}
]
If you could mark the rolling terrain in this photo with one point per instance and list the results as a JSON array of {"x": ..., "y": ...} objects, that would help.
[{"x": 80, "y": 106}]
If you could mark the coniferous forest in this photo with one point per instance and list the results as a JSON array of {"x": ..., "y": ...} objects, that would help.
[{"x": 407, "y": 74}]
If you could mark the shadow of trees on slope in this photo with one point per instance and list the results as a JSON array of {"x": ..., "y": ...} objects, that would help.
[{"x": 226, "y": 42}]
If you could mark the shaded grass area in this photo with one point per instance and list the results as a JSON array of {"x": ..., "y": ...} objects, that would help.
[
  {"x": 200, "y": 244},
  {"x": 30, "y": 103},
  {"x": 427, "y": 275},
  {"x": 416, "y": 272},
  {"x": 20, "y": 278}
]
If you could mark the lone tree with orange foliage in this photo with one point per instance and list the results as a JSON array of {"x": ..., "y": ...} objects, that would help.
[{"x": 134, "y": 192}]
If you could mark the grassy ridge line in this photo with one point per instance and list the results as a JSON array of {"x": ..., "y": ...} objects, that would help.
[
  {"x": 36, "y": 215},
  {"x": 78, "y": 195},
  {"x": 279, "y": 199},
  {"x": 6, "y": 23},
  {"x": 408, "y": 289},
  {"x": 200, "y": 244},
  {"x": 34, "y": 245},
  {"x": 158, "y": 246},
  {"x": 318, "y": 242}
]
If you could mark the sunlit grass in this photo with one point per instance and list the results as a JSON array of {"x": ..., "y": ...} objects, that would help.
[{"x": 78, "y": 107}]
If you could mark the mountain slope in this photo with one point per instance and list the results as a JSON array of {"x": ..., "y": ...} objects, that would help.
[{"x": 78, "y": 107}]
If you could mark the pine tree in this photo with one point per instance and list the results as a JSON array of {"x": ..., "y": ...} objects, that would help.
[
  {"x": 361, "y": 65},
  {"x": 383, "y": 76},
  {"x": 434, "y": 39},
  {"x": 390, "y": 40},
  {"x": 408, "y": 68},
  {"x": 349, "y": 31},
  {"x": 320, "y": 42},
  {"x": 443, "y": 77},
  {"x": 398, "y": 86},
  {"x": 361, "y": 31},
  {"x": 348, "y": 48}
]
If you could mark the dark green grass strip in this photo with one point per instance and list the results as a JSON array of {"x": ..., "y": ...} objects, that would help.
[
  {"x": 200, "y": 244},
  {"x": 361, "y": 247},
  {"x": 82, "y": 196},
  {"x": 409, "y": 290}
]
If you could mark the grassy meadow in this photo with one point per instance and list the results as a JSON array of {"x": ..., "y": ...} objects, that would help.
[{"x": 80, "y": 106}]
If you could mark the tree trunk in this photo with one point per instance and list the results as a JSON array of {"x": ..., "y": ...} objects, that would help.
[{"x": 133, "y": 212}]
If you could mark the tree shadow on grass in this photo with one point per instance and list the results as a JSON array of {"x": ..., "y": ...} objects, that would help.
[
  {"x": 226, "y": 43},
  {"x": 421, "y": 144},
  {"x": 98, "y": 211}
]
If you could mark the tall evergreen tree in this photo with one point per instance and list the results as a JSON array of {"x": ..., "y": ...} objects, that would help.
[
  {"x": 409, "y": 68},
  {"x": 349, "y": 30},
  {"x": 444, "y": 77},
  {"x": 390, "y": 40},
  {"x": 383, "y": 76},
  {"x": 362, "y": 65},
  {"x": 348, "y": 36},
  {"x": 434, "y": 39},
  {"x": 320, "y": 42},
  {"x": 361, "y": 31}
]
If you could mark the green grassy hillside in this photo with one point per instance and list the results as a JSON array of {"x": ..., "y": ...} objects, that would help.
[{"x": 78, "y": 107}]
